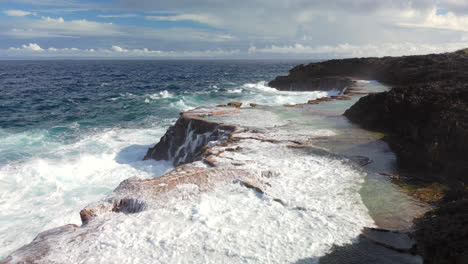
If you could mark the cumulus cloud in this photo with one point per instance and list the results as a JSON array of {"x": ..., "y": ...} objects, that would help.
[
  {"x": 271, "y": 28},
  {"x": 19, "y": 13},
  {"x": 292, "y": 51},
  {"x": 446, "y": 21},
  {"x": 367, "y": 50},
  {"x": 29, "y": 47},
  {"x": 33, "y": 49}
]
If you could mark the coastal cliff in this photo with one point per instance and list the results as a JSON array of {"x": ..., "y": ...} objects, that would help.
[
  {"x": 388, "y": 70},
  {"x": 425, "y": 119}
]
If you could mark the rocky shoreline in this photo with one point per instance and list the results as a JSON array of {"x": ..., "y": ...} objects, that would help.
[
  {"x": 212, "y": 149},
  {"x": 425, "y": 118}
]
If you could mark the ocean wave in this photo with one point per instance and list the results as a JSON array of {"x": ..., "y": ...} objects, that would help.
[
  {"x": 48, "y": 188},
  {"x": 260, "y": 86},
  {"x": 260, "y": 93}
]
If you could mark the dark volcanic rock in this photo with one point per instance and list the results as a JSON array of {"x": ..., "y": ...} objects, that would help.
[
  {"x": 427, "y": 126},
  {"x": 425, "y": 118},
  {"x": 442, "y": 235},
  {"x": 285, "y": 83},
  {"x": 388, "y": 70},
  {"x": 184, "y": 142}
]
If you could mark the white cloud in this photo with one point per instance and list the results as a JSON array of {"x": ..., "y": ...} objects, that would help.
[
  {"x": 199, "y": 18},
  {"x": 368, "y": 50},
  {"x": 18, "y": 13},
  {"x": 447, "y": 21},
  {"x": 49, "y": 27},
  {"x": 30, "y": 47},
  {"x": 117, "y": 16},
  {"x": 115, "y": 51},
  {"x": 59, "y": 27}
]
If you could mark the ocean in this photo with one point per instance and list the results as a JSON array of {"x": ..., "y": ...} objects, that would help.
[
  {"x": 64, "y": 124},
  {"x": 72, "y": 131}
]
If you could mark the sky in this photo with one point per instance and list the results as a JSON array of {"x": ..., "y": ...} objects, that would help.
[{"x": 230, "y": 29}]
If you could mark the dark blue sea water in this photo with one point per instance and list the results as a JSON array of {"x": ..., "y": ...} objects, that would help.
[{"x": 70, "y": 131}]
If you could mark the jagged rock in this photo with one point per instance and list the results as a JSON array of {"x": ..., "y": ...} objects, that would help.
[
  {"x": 427, "y": 126},
  {"x": 184, "y": 142},
  {"x": 297, "y": 81}
]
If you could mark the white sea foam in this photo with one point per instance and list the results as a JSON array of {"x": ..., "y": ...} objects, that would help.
[
  {"x": 229, "y": 224},
  {"x": 260, "y": 93},
  {"x": 233, "y": 224},
  {"x": 363, "y": 81},
  {"x": 162, "y": 94},
  {"x": 180, "y": 105},
  {"x": 235, "y": 91},
  {"x": 49, "y": 188}
]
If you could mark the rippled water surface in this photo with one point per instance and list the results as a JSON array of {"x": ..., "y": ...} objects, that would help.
[{"x": 71, "y": 131}]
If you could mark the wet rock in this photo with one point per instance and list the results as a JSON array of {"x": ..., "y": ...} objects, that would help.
[
  {"x": 128, "y": 206},
  {"x": 39, "y": 248},
  {"x": 235, "y": 104},
  {"x": 319, "y": 100},
  {"x": 427, "y": 127},
  {"x": 425, "y": 118},
  {"x": 299, "y": 81},
  {"x": 184, "y": 142}
]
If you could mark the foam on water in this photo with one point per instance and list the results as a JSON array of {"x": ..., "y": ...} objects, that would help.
[
  {"x": 233, "y": 224},
  {"x": 262, "y": 94},
  {"x": 45, "y": 181},
  {"x": 48, "y": 188}
]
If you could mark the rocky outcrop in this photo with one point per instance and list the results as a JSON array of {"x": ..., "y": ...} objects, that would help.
[
  {"x": 442, "y": 234},
  {"x": 389, "y": 70},
  {"x": 425, "y": 118},
  {"x": 427, "y": 126},
  {"x": 184, "y": 142},
  {"x": 303, "y": 83}
]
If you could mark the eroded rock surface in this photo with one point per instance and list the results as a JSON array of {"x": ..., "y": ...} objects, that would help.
[
  {"x": 427, "y": 126},
  {"x": 184, "y": 142}
]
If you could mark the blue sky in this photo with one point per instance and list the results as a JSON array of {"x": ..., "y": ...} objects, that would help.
[{"x": 276, "y": 29}]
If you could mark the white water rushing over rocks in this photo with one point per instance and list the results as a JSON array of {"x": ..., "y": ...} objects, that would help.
[
  {"x": 56, "y": 178},
  {"x": 272, "y": 197}
]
